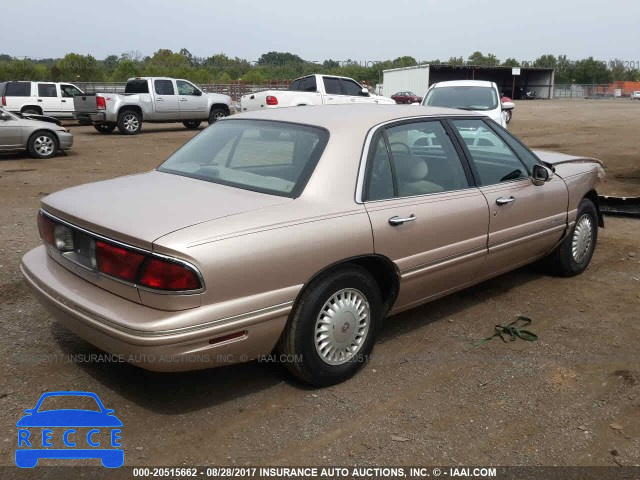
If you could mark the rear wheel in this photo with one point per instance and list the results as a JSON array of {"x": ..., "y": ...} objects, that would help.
[
  {"x": 31, "y": 111},
  {"x": 192, "y": 124},
  {"x": 105, "y": 127},
  {"x": 216, "y": 114},
  {"x": 43, "y": 145},
  {"x": 332, "y": 330},
  {"x": 129, "y": 122},
  {"x": 573, "y": 255}
]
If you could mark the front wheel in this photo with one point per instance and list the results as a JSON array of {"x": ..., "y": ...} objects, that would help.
[
  {"x": 129, "y": 122},
  {"x": 105, "y": 127},
  {"x": 43, "y": 145},
  {"x": 216, "y": 114},
  {"x": 573, "y": 255},
  {"x": 191, "y": 124},
  {"x": 332, "y": 329}
]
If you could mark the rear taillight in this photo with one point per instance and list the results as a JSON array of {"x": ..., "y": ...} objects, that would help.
[
  {"x": 166, "y": 275},
  {"x": 101, "y": 103},
  {"x": 145, "y": 270},
  {"x": 45, "y": 227},
  {"x": 117, "y": 261},
  {"x": 271, "y": 100},
  {"x": 4, "y": 101}
]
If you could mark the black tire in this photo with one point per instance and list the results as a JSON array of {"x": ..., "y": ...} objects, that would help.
[
  {"x": 192, "y": 124},
  {"x": 297, "y": 345},
  {"x": 104, "y": 127},
  {"x": 129, "y": 122},
  {"x": 508, "y": 116},
  {"x": 43, "y": 144},
  {"x": 216, "y": 114},
  {"x": 31, "y": 111},
  {"x": 562, "y": 261}
]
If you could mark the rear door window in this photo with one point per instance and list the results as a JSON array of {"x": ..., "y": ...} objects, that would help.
[
  {"x": 332, "y": 85},
  {"x": 164, "y": 87},
  {"x": 47, "y": 90},
  {"x": 18, "y": 89}
]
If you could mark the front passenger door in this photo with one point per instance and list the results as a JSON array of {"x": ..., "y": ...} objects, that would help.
[
  {"x": 426, "y": 216},
  {"x": 526, "y": 220},
  {"x": 193, "y": 104}
]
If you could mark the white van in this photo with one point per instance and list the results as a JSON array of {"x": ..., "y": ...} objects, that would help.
[{"x": 41, "y": 98}]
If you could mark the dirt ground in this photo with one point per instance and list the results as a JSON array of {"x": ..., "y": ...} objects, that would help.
[{"x": 427, "y": 397}]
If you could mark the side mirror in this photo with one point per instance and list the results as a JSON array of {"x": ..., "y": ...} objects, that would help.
[
  {"x": 364, "y": 92},
  {"x": 197, "y": 93},
  {"x": 540, "y": 175},
  {"x": 508, "y": 106}
]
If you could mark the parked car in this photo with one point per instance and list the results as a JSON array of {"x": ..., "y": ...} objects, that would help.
[
  {"x": 313, "y": 90},
  {"x": 41, "y": 136},
  {"x": 241, "y": 243},
  {"x": 153, "y": 100},
  {"x": 522, "y": 93},
  {"x": 635, "y": 95},
  {"x": 406, "y": 97},
  {"x": 39, "y": 98},
  {"x": 471, "y": 95}
]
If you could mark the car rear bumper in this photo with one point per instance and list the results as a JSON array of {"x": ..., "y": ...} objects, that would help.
[
  {"x": 96, "y": 117},
  {"x": 66, "y": 140},
  {"x": 81, "y": 306}
]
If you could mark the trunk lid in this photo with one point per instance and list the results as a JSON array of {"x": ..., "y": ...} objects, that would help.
[{"x": 138, "y": 209}]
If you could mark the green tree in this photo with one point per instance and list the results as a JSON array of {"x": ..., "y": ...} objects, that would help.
[
  {"x": 511, "y": 62},
  {"x": 279, "y": 59},
  {"x": 75, "y": 66}
]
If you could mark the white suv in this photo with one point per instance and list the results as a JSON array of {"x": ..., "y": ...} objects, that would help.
[
  {"x": 41, "y": 98},
  {"x": 635, "y": 95},
  {"x": 473, "y": 95}
]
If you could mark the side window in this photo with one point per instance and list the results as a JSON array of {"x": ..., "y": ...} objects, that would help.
[
  {"x": 163, "y": 87},
  {"x": 494, "y": 161},
  {"x": 184, "y": 88},
  {"x": 351, "y": 88},
  {"x": 69, "y": 91},
  {"x": 308, "y": 84},
  {"x": 332, "y": 85},
  {"x": 380, "y": 178},
  {"x": 18, "y": 89},
  {"x": 295, "y": 86},
  {"x": 424, "y": 159},
  {"x": 47, "y": 90}
]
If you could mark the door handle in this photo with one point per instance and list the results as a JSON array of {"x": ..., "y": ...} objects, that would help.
[
  {"x": 159, "y": 99},
  {"x": 63, "y": 101},
  {"x": 40, "y": 100},
  {"x": 183, "y": 99},
  {"x": 395, "y": 221},
  {"x": 505, "y": 200}
]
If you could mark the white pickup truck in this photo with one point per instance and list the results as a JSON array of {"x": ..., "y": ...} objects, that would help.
[
  {"x": 312, "y": 90},
  {"x": 150, "y": 99}
]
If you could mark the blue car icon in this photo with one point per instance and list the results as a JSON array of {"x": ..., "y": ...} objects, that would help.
[{"x": 64, "y": 422}]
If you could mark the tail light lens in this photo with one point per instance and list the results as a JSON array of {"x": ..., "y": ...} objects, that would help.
[
  {"x": 166, "y": 275},
  {"x": 271, "y": 100},
  {"x": 46, "y": 227},
  {"x": 101, "y": 103},
  {"x": 144, "y": 270},
  {"x": 4, "y": 101},
  {"x": 117, "y": 261}
]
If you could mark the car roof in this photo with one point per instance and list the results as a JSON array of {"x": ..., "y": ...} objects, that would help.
[
  {"x": 333, "y": 117},
  {"x": 463, "y": 83}
]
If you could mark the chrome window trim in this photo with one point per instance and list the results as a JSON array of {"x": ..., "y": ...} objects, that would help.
[{"x": 129, "y": 247}]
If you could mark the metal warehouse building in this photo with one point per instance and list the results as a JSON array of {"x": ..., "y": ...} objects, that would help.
[{"x": 418, "y": 79}]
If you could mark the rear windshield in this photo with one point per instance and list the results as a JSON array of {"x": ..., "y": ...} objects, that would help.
[
  {"x": 137, "y": 86},
  {"x": 18, "y": 89},
  {"x": 464, "y": 98},
  {"x": 264, "y": 156}
]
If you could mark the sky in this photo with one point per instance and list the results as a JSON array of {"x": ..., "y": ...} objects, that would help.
[{"x": 367, "y": 30}]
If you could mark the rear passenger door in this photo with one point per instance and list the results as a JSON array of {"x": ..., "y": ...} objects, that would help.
[
  {"x": 426, "y": 214},
  {"x": 166, "y": 100},
  {"x": 526, "y": 220},
  {"x": 49, "y": 99},
  {"x": 333, "y": 91}
]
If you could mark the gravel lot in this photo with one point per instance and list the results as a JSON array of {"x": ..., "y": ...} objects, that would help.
[{"x": 428, "y": 397}]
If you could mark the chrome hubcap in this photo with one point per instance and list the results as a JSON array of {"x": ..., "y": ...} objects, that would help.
[
  {"x": 131, "y": 123},
  {"x": 342, "y": 326},
  {"x": 44, "y": 145},
  {"x": 218, "y": 115},
  {"x": 582, "y": 238}
]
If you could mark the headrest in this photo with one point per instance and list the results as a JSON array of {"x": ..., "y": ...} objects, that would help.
[{"x": 410, "y": 168}]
